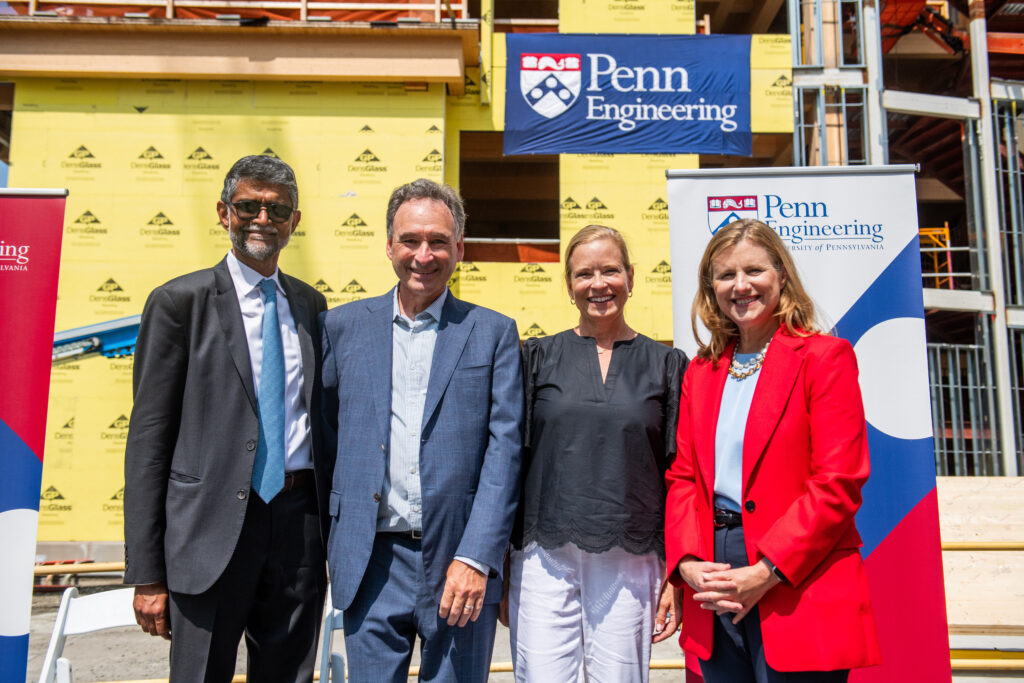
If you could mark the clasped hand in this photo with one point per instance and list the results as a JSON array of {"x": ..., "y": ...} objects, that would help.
[{"x": 722, "y": 589}]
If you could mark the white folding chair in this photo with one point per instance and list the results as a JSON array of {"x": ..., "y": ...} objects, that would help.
[
  {"x": 332, "y": 664},
  {"x": 84, "y": 614}
]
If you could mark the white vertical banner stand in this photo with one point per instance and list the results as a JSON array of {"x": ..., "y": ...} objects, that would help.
[{"x": 853, "y": 233}]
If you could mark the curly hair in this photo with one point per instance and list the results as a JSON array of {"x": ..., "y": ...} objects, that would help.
[{"x": 795, "y": 311}]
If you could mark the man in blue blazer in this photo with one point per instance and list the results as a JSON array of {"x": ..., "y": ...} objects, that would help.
[{"x": 423, "y": 397}]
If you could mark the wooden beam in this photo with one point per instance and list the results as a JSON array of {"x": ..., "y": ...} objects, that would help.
[{"x": 211, "y": 50}]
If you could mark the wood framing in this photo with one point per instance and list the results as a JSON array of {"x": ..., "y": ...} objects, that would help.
[{"x": 207, "y": 49}]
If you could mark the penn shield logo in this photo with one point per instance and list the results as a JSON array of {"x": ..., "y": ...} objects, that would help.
[
  {"x": 81, "y": 153},
  {"x": 160, "y": 219},
  {"x": 199, "y": 154},
  {"x": 110, "y": 286},
  {"x": 570, "y": 204},
  {"x": 534, "y": 330},
  {"x": 51, "y": 493},
  {"x": 366, "y": 157},
  {"x": 550, "y": 83},
  {"x": 723, "y": 210},
  {"x": 322, "y": 286},
  {"x": 433, "y": 157},
  {"x": 151, "y": 153},
  {"x": 120, "y": 422}
]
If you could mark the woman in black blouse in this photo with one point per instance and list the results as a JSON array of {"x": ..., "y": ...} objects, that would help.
[{"x": 587, "y": 595}]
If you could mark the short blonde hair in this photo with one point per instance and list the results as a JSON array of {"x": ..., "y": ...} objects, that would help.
[
  {"x": 589, "y": 234},
  {"x": 795, "y": 310}
]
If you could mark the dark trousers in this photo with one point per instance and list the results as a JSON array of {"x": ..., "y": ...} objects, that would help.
[
  {"x": 272, "y": 591},
  {"x": 393, "y": 606},
  {"x": 737, "y": 655}
]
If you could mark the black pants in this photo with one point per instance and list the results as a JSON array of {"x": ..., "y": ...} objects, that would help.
[
  {"x": 737, "y": 655},
  {"x": 272, "y": 591}
]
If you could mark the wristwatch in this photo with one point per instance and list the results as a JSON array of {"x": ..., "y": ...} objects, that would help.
[{"x": 775, "y": 570}]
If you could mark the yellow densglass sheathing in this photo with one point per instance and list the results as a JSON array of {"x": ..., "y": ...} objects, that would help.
[
  {"x": 771, "y": 84},
  {"x": 626, "y": 16},
  {"x": 627, "y": 191},
  {"x": 144, "y": 161}
]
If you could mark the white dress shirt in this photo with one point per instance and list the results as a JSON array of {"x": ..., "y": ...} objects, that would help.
[{"x": 297, "y": 440}]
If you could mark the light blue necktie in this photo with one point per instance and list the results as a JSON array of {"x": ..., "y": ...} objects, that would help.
[{"x": 268, "y": 468}]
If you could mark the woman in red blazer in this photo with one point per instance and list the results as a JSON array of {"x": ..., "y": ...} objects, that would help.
[{"x": 772, "y": 455}]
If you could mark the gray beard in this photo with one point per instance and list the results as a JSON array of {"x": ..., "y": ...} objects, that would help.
[{"x": 260, "y": 251}]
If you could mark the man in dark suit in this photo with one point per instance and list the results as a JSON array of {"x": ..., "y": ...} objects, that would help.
[
  {"x": 423, "y": 397},
  {"x": 224, "y": 469}
]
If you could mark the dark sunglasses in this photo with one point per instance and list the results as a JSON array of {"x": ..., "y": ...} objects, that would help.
[{"x": 250, "y": 208}]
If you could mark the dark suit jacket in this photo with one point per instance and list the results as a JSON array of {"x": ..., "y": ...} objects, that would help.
[
  {"x": 470, "y": 438},
  {"x": 194, "y": 427}
]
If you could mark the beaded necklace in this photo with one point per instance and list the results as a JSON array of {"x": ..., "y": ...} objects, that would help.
[{"x": 744, "y": 370}]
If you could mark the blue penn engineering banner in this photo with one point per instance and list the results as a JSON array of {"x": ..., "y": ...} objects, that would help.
[{"x": 616, "y": 94}]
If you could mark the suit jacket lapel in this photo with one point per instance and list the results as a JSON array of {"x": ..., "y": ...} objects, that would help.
[
  {"x": 452, "y": 335},
  {"x": 230, "y": 316},
  {"x": 380, "y": 351},
  {"x": 709, "y": 389},
  {"x": 774, "y": 385},
  {"x": 303, "y": 324}
]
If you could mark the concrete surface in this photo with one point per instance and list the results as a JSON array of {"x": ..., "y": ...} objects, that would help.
[{"x": 129, "y": 655}]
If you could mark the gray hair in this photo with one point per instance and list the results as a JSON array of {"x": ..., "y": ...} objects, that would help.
[
  {"x": 427, "y": 189},
  {"x": 263, "y": 169}
]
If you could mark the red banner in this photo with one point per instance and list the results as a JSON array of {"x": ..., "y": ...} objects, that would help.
[{"x": 30, "y": 237}]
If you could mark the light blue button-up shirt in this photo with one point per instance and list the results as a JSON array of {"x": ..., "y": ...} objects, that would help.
[
  {"x": 412, "y": 353},
  {"x": 732, "y": 425}
]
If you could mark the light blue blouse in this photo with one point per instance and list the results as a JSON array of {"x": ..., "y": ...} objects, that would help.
[{"x": 732, "y": 424}]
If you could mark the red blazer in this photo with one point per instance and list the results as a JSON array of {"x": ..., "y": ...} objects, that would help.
[{"x": 805, "y": 459}]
